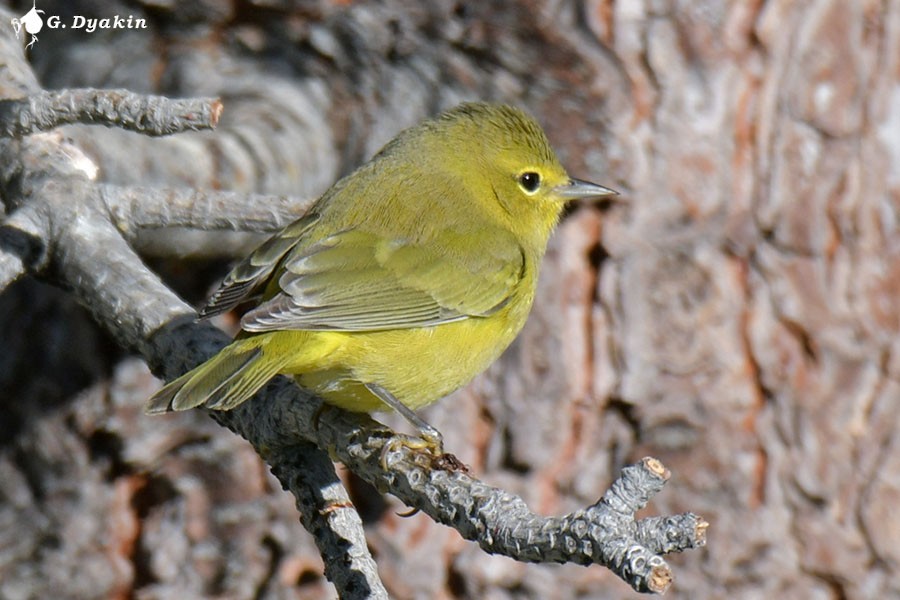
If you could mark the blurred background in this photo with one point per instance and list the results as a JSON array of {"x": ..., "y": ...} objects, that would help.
[{"x": 738, "y": 319}]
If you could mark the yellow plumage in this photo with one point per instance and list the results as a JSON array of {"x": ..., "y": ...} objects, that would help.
[{"x": 406, "y": 279}]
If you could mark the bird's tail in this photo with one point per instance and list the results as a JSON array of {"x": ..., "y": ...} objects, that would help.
[{"x": 227, "y": 379}]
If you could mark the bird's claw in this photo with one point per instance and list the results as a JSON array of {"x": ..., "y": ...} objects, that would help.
[{"x": 428, "y": 442}]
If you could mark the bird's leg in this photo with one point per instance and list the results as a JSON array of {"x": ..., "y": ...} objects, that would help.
[{"x": 430, "y": 438}]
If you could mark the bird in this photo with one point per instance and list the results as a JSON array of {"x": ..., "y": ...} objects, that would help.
[{"x": 404, "y": 280}]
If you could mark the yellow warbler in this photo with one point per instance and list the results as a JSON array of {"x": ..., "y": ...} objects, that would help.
[{"x": 405, "y": 280}]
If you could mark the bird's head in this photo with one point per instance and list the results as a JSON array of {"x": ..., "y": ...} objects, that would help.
[{"x": 504, "y": 153}]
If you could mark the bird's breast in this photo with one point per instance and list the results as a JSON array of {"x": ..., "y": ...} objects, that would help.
[{"x": 417, "y": 365}]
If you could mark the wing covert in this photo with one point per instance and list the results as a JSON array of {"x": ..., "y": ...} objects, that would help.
[
  {"x": 360, "y": 281},
  {"x": 253, "y": 272}
]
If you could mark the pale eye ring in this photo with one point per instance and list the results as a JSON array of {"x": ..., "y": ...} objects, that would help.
[{"x": 530, "y": 181}]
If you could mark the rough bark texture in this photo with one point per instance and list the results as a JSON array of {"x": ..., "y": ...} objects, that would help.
[{"x": 738, "y": 320}]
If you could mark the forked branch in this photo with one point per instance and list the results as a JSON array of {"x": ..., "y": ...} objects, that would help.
[{"x": 58, "y": 213}]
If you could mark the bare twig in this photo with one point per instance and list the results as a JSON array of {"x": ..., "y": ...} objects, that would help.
[
  {"x": 605, "y": 533},
  {"x": 303, "y": 470},
  {"x": 150, "y": 115},
  {"x": 133, "y": 208}
]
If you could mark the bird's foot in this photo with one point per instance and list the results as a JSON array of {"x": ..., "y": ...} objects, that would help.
[{"x": 428, "y": 442}]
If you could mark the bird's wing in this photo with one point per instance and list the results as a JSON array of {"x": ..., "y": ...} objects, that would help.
[
  {"x": 360, "y": 281},
  {"x": 252, "y": 274}
]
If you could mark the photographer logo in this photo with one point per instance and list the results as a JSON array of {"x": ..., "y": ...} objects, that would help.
[{"x": 32, "y": 23}]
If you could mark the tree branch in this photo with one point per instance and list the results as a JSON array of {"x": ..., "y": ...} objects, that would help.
[
  {"x": 82, "y": 227},
  {"x": 134, "y": 208},
  {"x": 149, "y": 115},
  {"x": 605, "y": 533},
  {"x": 53, "y": 180},
  {"x": 326, "y": 511},
  {"x": 22, "y": 247}
]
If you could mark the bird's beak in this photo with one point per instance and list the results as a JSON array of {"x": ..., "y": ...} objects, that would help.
[{"x": 578, "y": 189}]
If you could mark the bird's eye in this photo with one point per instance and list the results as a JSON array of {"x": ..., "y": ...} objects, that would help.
[{"x": 529, "y": 180}]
